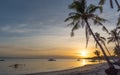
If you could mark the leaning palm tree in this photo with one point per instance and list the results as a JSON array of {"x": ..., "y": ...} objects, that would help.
[
  {"x": 102, "y": 41},
  {"x": 97, "y": 53},
  {"x": 102, "y": 2},
  {"x": 115, "y": 38},
  {"x": 80, "y": 18},
  {"x": 100, "y": 38}
]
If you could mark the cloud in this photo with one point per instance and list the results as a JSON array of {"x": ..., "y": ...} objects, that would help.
[
  {"x": 5, "y": 28},
  {"x": 21, "y": 28},
  {"x": 110, "y": 15},
  {"x": 22, "y": 25}
]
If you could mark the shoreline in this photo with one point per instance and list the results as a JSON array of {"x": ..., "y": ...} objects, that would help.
[{"x": 92, "y": 69}]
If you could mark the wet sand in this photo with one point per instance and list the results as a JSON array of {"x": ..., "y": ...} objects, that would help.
[{"x": 94, "y": 69}]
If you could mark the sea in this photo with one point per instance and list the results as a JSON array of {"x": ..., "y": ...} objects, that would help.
[{"x": 28, "y": 66}]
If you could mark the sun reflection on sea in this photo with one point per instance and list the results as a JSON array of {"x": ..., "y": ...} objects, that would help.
[{"x": 84, "y": 62}]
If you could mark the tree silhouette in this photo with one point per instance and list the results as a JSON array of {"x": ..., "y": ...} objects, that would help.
[
  {"x": 117, "y": 51},
  {"x": 97, "y": 53},
  {"x": 115, "y": 38},
  {"x": 102, "y": 41},
  {"x": 102, "y": 2},
  {"x": 80, "y": 18}
]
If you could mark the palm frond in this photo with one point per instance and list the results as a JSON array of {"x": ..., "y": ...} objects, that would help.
[
  {"x": 118, "y": 27},
  {"x": 73, "y": 17},
  {"x": 98, "y": 20},
  {"x": 105, "y": 29},
  {"x": 76, "y": 26},
  {"x": 102, "y": 2},
  {"x": 119, "y": 33},
  {"x": 97, "y": 53},
  {"x": 101, "y": 19},
  {"x": 102, "y": 41},
  {"x": 78, "y": 5},
  {"x": 110, "y": 39},
  {"x": 118, "y": 5},
  {"x": 89, "y": 16},
  {"x": 92, "y": 8},
  {"x": 111, "y": 3},
  {"x": 72, "y": 13},
  {"x": 97, "y": 34},
  {"x": 87, "y": 35},
  {"x": 103, "y": 38},
  {"x": 83, "y": 4},
  {"x": 100, "y": 38},
  {"x": 69, "y": 18},
  {"x": 96, "y": 45},
  {"x": 71, "y": 24}
]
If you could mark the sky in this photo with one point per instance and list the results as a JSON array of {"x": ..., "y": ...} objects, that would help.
[{"x": 36, "y": 28}]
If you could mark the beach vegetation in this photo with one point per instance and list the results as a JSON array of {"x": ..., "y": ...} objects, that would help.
[
  {"x": 97, "y": 53},
  {"x": 80, "y": 18}
]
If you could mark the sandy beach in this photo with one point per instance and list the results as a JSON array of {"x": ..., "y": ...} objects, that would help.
[{"x": 94, "y": 69}]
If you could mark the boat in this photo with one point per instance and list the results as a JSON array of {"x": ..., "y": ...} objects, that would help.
[
  {"x": 51, "y": 59},
  {"x": 78, "y": 59},
  {"x": 2, "y": 60},
  {"x": 93, "y": 60}
]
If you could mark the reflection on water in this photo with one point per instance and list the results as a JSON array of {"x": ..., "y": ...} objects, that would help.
[
  {"x": 17, "y": 66},
  {"x": 38, "y": 65},
  {"x": 84, "y": 62}
]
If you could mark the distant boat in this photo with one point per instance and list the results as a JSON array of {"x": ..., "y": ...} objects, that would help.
[
  {"x": 17, "y": 65},
  {"x": 78, "y": 59},
  {"x": 93, "y": 60},
  {"x": 2, "y": 60},
  {"x": 51, "y": 59}
]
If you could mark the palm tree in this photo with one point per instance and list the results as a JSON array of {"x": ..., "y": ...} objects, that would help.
[
  {"x": 117, "y": 50},
  {"x": 80, "y": 18},
  {"x": 102, "y": 41},
  {"x": 97, "y": 53},
  {"x": 102, "y": 2},
  {"x": 115, "y": 37},
  {"x": 100, "y": 38}
]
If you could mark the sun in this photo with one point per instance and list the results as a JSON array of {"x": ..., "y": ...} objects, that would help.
[{"x": 83, "y": 53}]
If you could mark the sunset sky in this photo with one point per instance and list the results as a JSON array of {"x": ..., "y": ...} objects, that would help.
[{"x": 36, "y": 28}]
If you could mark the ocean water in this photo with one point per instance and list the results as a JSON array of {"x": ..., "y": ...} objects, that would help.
[{"x": 27, "y": 66}]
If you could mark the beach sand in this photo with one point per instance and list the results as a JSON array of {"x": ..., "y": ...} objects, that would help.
[{"x": 94, "y": 69}]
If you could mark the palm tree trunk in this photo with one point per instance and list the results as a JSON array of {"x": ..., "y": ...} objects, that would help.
[{"x": 103, "y": 51}]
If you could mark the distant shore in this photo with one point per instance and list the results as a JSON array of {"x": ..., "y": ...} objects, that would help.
[{"x": 94, "y": 69}]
